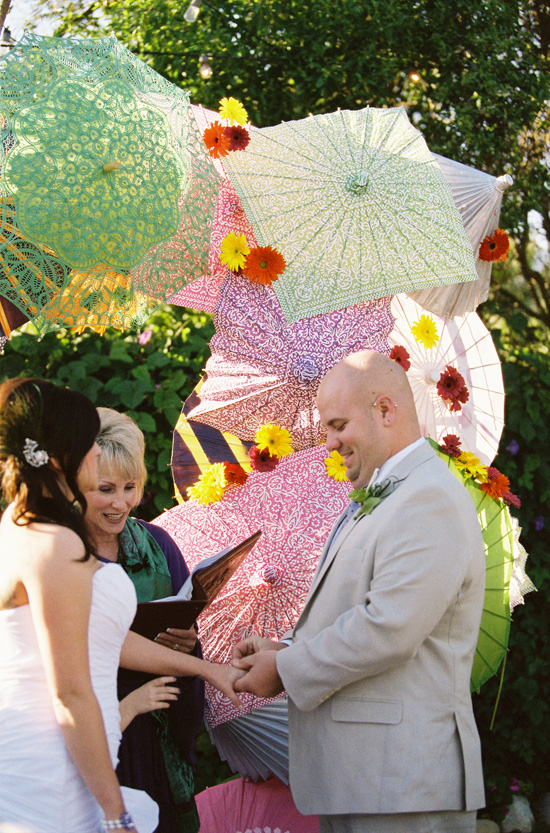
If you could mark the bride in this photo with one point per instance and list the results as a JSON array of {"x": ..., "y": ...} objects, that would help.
[{"x": 64, "y": 620}]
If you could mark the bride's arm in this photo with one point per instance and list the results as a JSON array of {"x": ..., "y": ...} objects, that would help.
[
  {"x": 59, "y": 588},
  {"x": 140, "y": 654}
]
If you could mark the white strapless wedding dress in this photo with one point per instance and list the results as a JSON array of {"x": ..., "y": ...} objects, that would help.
[{"x": 40, "y": 787}]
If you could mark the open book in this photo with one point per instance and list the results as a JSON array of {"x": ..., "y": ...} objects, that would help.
[{"x": 203, "y": 585}]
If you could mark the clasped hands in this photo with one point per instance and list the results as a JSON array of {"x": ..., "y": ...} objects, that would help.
[{"x": 255, "y": 667}]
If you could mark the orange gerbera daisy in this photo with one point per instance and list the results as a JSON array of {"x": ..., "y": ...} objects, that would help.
[
  {"x": 497, "y": 485},
  {"x": 495, "y": 246},
  {"x": 216, "y": 140},
  {"x": 264, "y": 265}
]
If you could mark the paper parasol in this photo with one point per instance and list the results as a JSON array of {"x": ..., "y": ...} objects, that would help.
[
  {"x": 478, "y": 197},
  {"x": 196, "y": 446},
  {"x": 465, "y": 344},
  {"x": 243, "y": 807},
  {"x": 295, "y": 506},
  {"x": 265, "y": 370},
  {"x": 356, "y": 204},
  {"x": 500, "y": 544}
]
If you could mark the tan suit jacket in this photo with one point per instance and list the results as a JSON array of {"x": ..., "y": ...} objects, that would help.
[{"x": 378, "y": 674}]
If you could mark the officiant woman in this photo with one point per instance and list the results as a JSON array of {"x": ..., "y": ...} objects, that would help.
[{"x": 156, "y": 753}]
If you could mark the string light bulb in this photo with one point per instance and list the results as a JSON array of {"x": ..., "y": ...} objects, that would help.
[
  {"x": 205, "y": 70},
  {"x": 192, "y": 11}
]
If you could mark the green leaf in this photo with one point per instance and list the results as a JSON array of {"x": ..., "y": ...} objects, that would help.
[
  {"x": 146, "y": 422},
  {"x": 119, "y": 352},
  {"x": 165, "y": 398},
  {"x": 133, "y": 393}
]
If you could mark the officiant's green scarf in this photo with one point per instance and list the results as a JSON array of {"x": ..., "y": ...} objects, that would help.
[{"x": 143, "y": 560}]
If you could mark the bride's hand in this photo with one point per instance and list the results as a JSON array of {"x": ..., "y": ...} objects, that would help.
[{"x": 223, "y": 678}]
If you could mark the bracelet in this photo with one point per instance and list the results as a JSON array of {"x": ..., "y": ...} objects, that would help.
[{"x": 123, "y": 822}]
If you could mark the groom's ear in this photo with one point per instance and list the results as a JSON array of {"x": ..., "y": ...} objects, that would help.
[{"x": 387, "y": 409}]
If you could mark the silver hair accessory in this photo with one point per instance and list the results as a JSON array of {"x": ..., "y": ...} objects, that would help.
[{"x": 34, "y": 456}]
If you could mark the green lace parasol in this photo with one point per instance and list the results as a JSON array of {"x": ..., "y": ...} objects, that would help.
[
  {"x": 103, "y": 173},
  {"x": 501, "y": 549}
]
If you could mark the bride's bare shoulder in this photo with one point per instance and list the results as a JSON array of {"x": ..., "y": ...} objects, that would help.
[{"x": 38, "y": 541}]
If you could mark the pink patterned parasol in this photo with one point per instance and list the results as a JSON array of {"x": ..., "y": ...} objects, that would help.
[
  {"x": 202, "y": 293},
  {"x": 265, "y": 370},
  {"x": 243, "y": 806},
  {"x": 295, "y": 506}
]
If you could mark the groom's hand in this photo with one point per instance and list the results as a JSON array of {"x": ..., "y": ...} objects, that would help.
[
  {"x": 252, "y": 645},
  {"x": 262, "y": 678}
]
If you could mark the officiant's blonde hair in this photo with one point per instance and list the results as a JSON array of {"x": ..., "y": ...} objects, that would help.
[{"x": 122, "y": 448}]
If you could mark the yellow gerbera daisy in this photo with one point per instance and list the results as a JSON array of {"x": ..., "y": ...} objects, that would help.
[
  {"x": 211, "y": 485},
  {"x": 335, "y": 466},
  {"x": 470, "y": 465},
  {"x": 425, "y": 331},
  {"x": 233, "y": 110},
  {"x": 233, "y": 251},
  {"x": 275, "y": 439}
]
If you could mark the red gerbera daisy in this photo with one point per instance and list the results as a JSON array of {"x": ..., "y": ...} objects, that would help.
[
  {"x": 451, "y": 445},
  {"x": 235, "y": 474},
  {"x": 511, "y": 499},
  {"x": 497, "y": 484},
  {"x": 262, "y": 460},
  {"x": 264, "y": 264},
  {"x": 215, "y": 140},
  {"x": 495, "y": 246},
  {"x": 400, "y": 355},
  {"x": 238, "y": 137},
  {"x": 452, "y": 388}
]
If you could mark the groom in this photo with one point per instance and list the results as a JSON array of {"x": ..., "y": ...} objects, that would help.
[{"x": 382, "y": 734}]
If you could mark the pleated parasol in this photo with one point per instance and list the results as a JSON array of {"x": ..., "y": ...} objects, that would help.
[{"x": 478, "y": 197}]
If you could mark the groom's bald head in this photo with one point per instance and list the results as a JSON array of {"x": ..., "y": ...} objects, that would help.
[{"x": 367, "y": 406}]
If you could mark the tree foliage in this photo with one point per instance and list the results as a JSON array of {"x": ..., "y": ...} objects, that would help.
[{"x": 147, "y": 381}]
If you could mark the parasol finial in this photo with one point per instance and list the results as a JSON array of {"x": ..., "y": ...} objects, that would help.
[
  {"x": 111, "y": 166},
  {"x": 504, "y": 182}
]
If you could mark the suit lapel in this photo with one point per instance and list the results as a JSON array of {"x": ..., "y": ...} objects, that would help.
[{"x": 335, "y": 542}]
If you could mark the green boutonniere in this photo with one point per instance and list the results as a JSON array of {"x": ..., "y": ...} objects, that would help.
[{"x": 371, "y": 497}]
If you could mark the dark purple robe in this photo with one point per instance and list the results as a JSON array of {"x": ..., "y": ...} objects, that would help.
[{"x": 141, "y": 760}]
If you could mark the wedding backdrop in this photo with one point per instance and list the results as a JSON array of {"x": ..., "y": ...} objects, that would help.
[{"x": 269, "y": 236}]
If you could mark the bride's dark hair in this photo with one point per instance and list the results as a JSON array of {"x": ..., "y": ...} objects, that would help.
[{"x": 37, "y": 416}]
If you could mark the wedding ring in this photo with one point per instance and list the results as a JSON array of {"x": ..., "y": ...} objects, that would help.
[{"x": 176, "y": 646}]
